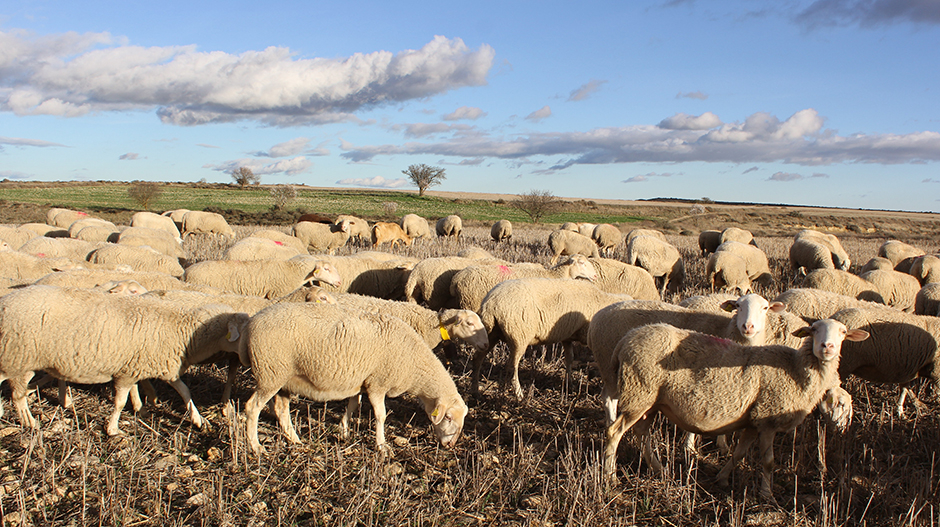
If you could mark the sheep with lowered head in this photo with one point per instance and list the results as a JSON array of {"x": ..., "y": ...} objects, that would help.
[
  {"x": 358, "y": 227},
  {"x": 607, "y": 237},
  {"x": 60, "y": 331},
  {"x": 926, "y": 269},
  {"x": 928, "y": 300},
  {"x": 76, "y": 250},
  {"x": 381, "y": 278},
  {"x": 156, "y": 239},
  {"x": 449, "y": 226},
  {"x": 714, "y": 386},
  {"x": 901, "y": 254},
  {"x": 876, "y": 262},
  {"x": 63, "y": 218},
  {"x": 429, "y": 281},
  {"x": 268, "y": 278},
  {"x": 814, "y": 304},
  {"x": 278, "y": 236},
  {"x": 839, "y": 257},
  {"x": 202, "y": 222},
  {"x": 843, "y": 283},
  {"x": 152, "y": 220},
  {"x": 16, "y": 236},
  {"x": 325, "y": 352},
  {"x": 897, "y": 289},
  {"x": 138, "y": 258},
  {"x": 756, "y": 263},
  {"x": 564, "y": 242},
  {"x": 391, "y": 233},
  {"x": 660, "y": 258},
  {"x": 501, "y": 230},
  {"x": 415, "y": 226},
  {"x": 708, "y": 241},
  {"x": 22, "y": 266},
  {"x": 644, "y": 232},
  {"x": 737, "y": 234},
  {"x": 727, "y": 271},
  {"x": 321, "y": 237},
  {"x": 257, "y": 248}
]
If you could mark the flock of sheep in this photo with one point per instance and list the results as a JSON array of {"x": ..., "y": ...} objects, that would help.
[{"x": 87, "y": 301}]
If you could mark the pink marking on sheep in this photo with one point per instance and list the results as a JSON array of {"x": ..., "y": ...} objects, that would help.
[
  {"x": 278, "y": 243},
  {"x": 504, "y": 270}
]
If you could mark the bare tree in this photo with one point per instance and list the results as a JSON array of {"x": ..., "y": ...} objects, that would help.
[
  {"x": 424, "y": 176},
  {"x": 537, "y": 204},
  {"x": 244, "y": 176},
  {"x": 144, "y": 193},
  {"x": 283, "y": 194}
]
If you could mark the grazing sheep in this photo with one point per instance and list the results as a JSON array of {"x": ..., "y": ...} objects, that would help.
[
  {"x": 283, "y": 237},
  {"x": 926, "y": 269},
  {"x": 501, "y": 230},
  {"x": 138, "y": 258},
  {"x": 531, "y": 311},
  {"x": 429, "y": 281},
  {"x": 358, "y": 227},
  {"x": 268, "y": 278},
  {"x": 177, "y": 217},
  {"x": 369, "y": 276},
  {"x": 758, "y": 268},
  {"x": 897, "y": 289},
  {"x": 391, "y": 233},
  {"x": 253, "y": 248},
  {"x": 714, "y": 386},
  {"x": 569, "y": 226},
  {"x": 928, "y": 300},
  {"x": 901, "y": 254},
  {"x": 449, "y": 226},
  {"x": 157, "y": 239},
  {"x": 563, "y": 242},
  {"x": 660, "y": 258},
  {"x": 607, "y": 237},
  {"x": 843, "y": 283},
  {"x": 16, "y": 236},
  {"x": 474, "y": 253},
  {"x": 415, "y": 226},
  {"x": 614, "y": 276},
  {"x": 815, "y": 304},
  {"x": 644, "y": 232},
  {"x": 90, "y": 278},
  {"x": 321, "y": 352},
  {"x": 320, "y": 237},
  {"x": 808, "y": 254},
  {"x": 582, "y": 228},
  {"x": 63, "y": 218},
  {"x": 60, "y": 331},
  {"x": 710, "y": 302},
  {"x": 76, "y": 250},
  {"x": 43, "y": 229},
  {"x": 839, "y": 257},
  {"x": 22, "y": 266},
  {"x": 708, "y": 241},
  {"x": 97, "y": 233},
  {"x": 470, "y": 285},
  {"x": 727, "y": 271},
  {"x": 202, "y": 222},
  {"x": 151, "y": 220},
  {"x": 736, "y": 234},
  {"x": 876, "y": 262}
]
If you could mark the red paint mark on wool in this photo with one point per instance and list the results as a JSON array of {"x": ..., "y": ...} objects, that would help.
[
  {"x": 719, "y": 340},
  {"x": 41, "y": 255},
  {"x": 504, "y": 270},
  {"x": 278, "y": 243}
]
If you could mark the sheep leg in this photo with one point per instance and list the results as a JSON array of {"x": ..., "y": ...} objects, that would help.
[
  {"x": 252, "y": 411},
  {"x": 20, "y": 388},
  {"x": 614, "y": 434},
  {"x": 767, "y": 463},
  {"x": 478, "y": 357},
  {"x": 722, "y": 442},
  {"x": 352, "y": 406},
  {"x": 65, "y": 394},
  {"x": 282, "y": 411},
  {"x": 233, "y": 364},
  {"x": 642, "y": 430},
  {"x": 747, "y": 439},
  {"x": 121, "y": 391},
  {"x": 150, "y": 395},
  {"x": 378, "y": 407},
  {"x": 609, "y": 399},
  {"x": 690, "y": 443},
  {"x": 183, "y": 390},
  {"x": 517, "y": 352}
]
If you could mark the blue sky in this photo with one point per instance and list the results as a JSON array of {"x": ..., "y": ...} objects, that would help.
[{"x": 813, "y": 102}]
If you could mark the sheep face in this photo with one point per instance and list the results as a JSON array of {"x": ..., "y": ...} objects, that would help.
[
  {"x": 319, "y": 296},
  {"x": 447, "y": 417},
  {"x": 751, "y": 314},
  {"x": 465, "y": 325},
  {"x": 326, "y": 273},
  {"x": 828, "y": 336},
  {"x": 580, "y": 267}
]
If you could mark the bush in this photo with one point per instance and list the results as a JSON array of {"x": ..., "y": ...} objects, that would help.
[
  {"x": 283, "y": 194},
  {"x": 144, "y": 193}
]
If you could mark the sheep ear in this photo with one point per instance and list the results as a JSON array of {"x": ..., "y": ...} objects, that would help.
[
  {"x": 804, "y": 331},
  {"x": 729, "y": 305},
  {"x": 856, "y": 335},
  {"x": 233, "y": 333},
  {"x": 438, "y": 414},
  {"x": 778, "y": 307}
]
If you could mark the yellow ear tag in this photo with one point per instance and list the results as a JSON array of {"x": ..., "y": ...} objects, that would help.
[
  {"x": 444, "y": 334},
  {"x": 434, "y": 413}
]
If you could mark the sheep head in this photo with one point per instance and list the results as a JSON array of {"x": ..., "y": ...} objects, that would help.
[
  {"x": 447, "y": 417},
  {"x": 828, "y": 336}
]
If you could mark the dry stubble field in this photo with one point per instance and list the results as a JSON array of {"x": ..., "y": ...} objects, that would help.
[{"x": 529, "y": 463}]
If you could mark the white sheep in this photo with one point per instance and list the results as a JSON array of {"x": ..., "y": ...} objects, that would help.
[
  {"x": 321, "y": 237},
  {"x": 358, "y": 227},
  {"x": 644, "y": 232},
  {"x": 156, "y": 239},
  {"x": 380, "y": 278},
  {"x": 607, "y": 237},
  {"x": 839, "y": 257},
  {"x": 391, "y": 233},
  {"x": 501, "y": 231},
  {"x": 268, "y": 278},
  {"x": 926, "y": 269},
  {"x": 901, "y": 254},
  {"x": 90, "y": 278},
  {"x": 897, "y": 289},
  {"x": 177, "y": 216},
  {"x": 22, "y": 266},
  {"x": 809, "y": 254},
  {"x": 60, "y": 331},
  {"x": 138, "y": 258},
  {"x": 470, "y": 285},
  {"x": 76, "y": 250},
  {"x": 708, "y": 241},
  {"x": 756, "y": 263},
  {"x": 476, "y": 253},
  {"x": 711, "y": 302},
  {"x": 843, "y": 283},
  {"x": 77, "y": 226},
  {"x": 614, "y": 276},
  {"x": 660, "y": 258},
  {"x": 323, "y": 353},
  {"x": 415, "y": 226},
  {"x": 44, "y": 229},
  {"x": 928, "y": 300},
  {"x": 202, "y": 222},
  {"x": 152, "y": 220},
  {"x": 257, "y": 248},
  {"x": 449, "y": 226},
  {"x": 727, "y": 271},
  {"x": 714, "y": 386},
  {"x": 429, "y": 281},
  {"x": 97, "y": 233},
  {"x": 16, "y": 236},
  {"x": 532, "y": 311},
  {"x": 737, "y": 234},
  {"x": 815, "y": 304},
  {"x": 278, "y": 236},
  {"x": 582, "y": 228},
  {"x": 565, "y": 242},
  {"x": 876, "y": 262},
  {"x": 63, "y": 218}
]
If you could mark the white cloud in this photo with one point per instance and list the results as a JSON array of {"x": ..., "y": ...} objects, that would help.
[
  {"x": 692, "y": 95},
  {"x": 18, "y": 141},
  {"x": 585, "y": 90},
  {"x": 785, "y": 176},
  {"x": 465, "y": 112},
  {"x": 426, "y": 129},
  {"x": 12, "y": 174},
  {"x": 130, "y": 156},
  {"x": 684, "y": 121},
  {"x": 636, "y": 179},
  {"x": 288, "y": 167},
  {"x": 539, "y": 114},
  {"x": 71, "y": 75},
  {"x": 287, "y": 148},
  {"x": 376, "y": 182}
]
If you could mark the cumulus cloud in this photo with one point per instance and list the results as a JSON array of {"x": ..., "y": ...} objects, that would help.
[
  {"x": 785, "y": 176},
  {"x": 465, "y": 112},
  {"x": 692, "y": 95},
  {"x": 18, "y": 141},
  {"x": 71, "y": 75},
  {"x": 130, "y": 156},
  {"x": 636, "y": 179},
  {"x": 287, "y": 148},
  {"x": 585, "y": 90},
  {"x": 288, "y": 167},
  {"x": 375, "y": 182},
  {"x": 539, "y": 114},
  {"x": 684, "y": 121},
  {"x": 868, "y": 13}
]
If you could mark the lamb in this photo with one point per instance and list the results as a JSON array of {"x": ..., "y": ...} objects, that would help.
[
  {"x": 358, "y": 227},
  {"x": 369, "y": 276},
  {"x": 415, "y": 226},
  {"x": 876, "y": 262},
  {"x": 156, "y": 239},
  {"x": 151, "y": 220},
  {"x": 815, "y": 304},
  {"x": 138, "y": 258},
  {"x": 268, "y": 278},
  {"x": 901, "y": 254},
  {"x": 607, "y": 237},
  {"x": 278, "y": 236},
  {"x": 531, "y": 311},
  {"x": 563, "y": 242},
  {"x": 321, "y": 352},
  {"x": 840, "y": 258},
  {"x": 16, "y": 236},
  {"x": 202, "y": 222},
  {"x": 843, "y": 283},
  {"x": 320, "y": 237},
  {"x": 501, "y": 231},
  {"x": 645, "y": 232},
  {"x": 714, "y": 386},
  {"x": 708, "y": 241},
  {"x": 928, "y": 300},
  {"x": 469, "y": 286},
  {"x": 897, "y": 289},
  {"x": 449, "y": 226},
  {"x": 151, "y": 339},
  {"x": 76, "y": 250},
  {"x": 660, "y": 258},
  {"x": 255, "y": 248},
  {"x": 757, "y": 266},
  {"x": 63, "y": 218},
  {"x": 392, "y": 233},
  {"x": 429, "y": 281},
  {"x": 614, "y": 276},
  {"x": 736, "y": 234},
  {"x": 727, "y": 271},
  {"x": 926, "y": 269}
]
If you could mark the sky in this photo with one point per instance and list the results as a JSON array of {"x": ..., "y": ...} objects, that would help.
[{"x": 806, "y": 102}]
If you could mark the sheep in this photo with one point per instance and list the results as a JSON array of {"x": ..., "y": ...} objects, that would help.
[
  {"x": 76, "y": 250},
  {"x": 926, "y": 269},
  {"x": 77, "y": 226},
  {"x": 89, "y": 278},
  {"x": 758, "y": 268},
  {"x": 278, "y": 236},
  {"x": 714, "y": 386},
  {"x": 22, "y": 266},
  {"x": 839, "y": 257},
  {"x": 43, "y": 229},
  {"x": 358, "y": 227},
  {"x": 429, "y": 281},
  {"x": 320, "y": 237},
  {"x": 607, "y": 237},
  {"x": 614, "y": 276},
  {"x": 177, "y": 216},
  {"x": 202, "y": 222},
  {"x": 321, "y": 352},
  {"x": 644, "y": 232},
  {"x": 449, "y": 226},
  {"x": 900, "y": 254},
  {"x": 736, "y": 234},
  {"x": 897, "y": 289},
  {"x": 563, "y": 242},
  {"x": 843, "y": 283},
  {"x": 16, "y": 236},
  {"x": 415, "y": 226},
  {"x": 928, "y": 300},
  {"x": 727, "y": 271},
  {"x": 97, "y": 233},
  {"x": 150, "y": 339},
  {"x": 151, "y": 220},
  {"x": 902, "y": 348},
  {"x": 710, "y": 302},
  {"x": 63, "y": 218},
  {"x": 391, "y": 233},
  {"x": 475, "y": 253},
  {"x": 531, "y": 311},
  {"x": 253, "y": 248},
  {"x": 808, "y": 254},
  {"x": 501, "y": 231},
  {"x": 569, "y": 226},
  {"x": 157, "y": 239},
  {"x": 660, "y": 258},
  {"x": 369, "y": 276},
  {"x": 582, "y": 228},
  {"x": 815, "y": 304},
  {"x": 138, "y": 258},
  {"x": 708, "y": 241},
  {"x": 470, "y": 285},
  {"x": 268, "y": 278},
  {"x": 876, "y": 262}
]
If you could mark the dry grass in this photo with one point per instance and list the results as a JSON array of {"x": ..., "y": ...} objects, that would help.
[{"x": 530, "y": 463}]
